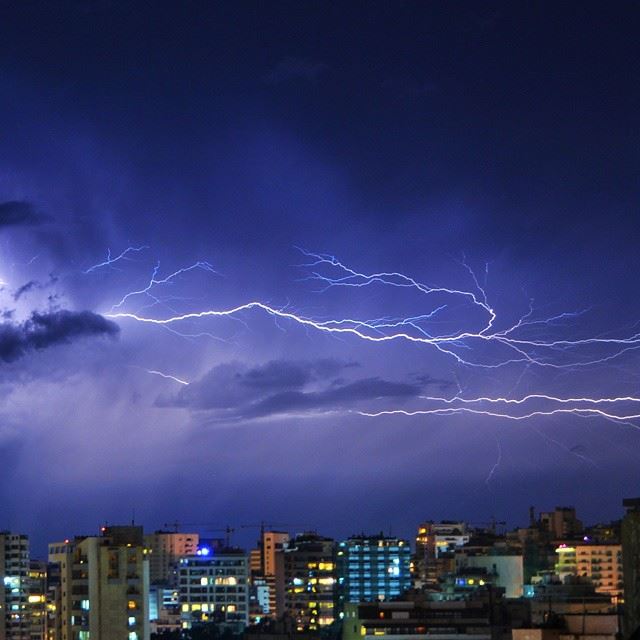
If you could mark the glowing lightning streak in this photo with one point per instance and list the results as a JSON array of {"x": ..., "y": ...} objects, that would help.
[
  {"x": 205, "y": 266},
  {"x": 167, "y": 376},
  {"x": 109, "y": 261},
  {"x": 409, "y": 329},
  {"x": 533, "y": 396},
  {"x": 506, "y": 416}
]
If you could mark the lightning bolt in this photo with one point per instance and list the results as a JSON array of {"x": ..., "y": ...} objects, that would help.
[
  {"x": 167, "y": 376},
  {"x": 154, "y": 282},
  {"x": 466, "y": 345},
  {"x": 112, "y": 260}
]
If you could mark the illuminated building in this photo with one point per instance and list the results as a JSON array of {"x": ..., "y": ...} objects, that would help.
[
  {"x": 37, "y": 599},
  {"x": 310, "y": 581},
  {"x": 166, "y": 549},
  {"x": 272, "y": 543},
  {"x": 104, "y": 585},
  {"x": 373, "y": 568},
  {"x": 164, "y": 609},
  {"x": 503, "y": 569},
  {"x": 631, "y": 565},
  {"x": 266, "y": 572},
  {"x": 602, "y": 565},
  {"x": 566, "y": 564},
  {"x": 436, "y": 543},
  {"x": 214, "y": 587},
  {"x": 15, "y": 621}
]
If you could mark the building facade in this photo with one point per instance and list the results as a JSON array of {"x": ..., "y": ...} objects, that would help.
[
  {"x": 373, "y": 568},
  {"x": 601, "y": 564},
  {"x": 104, "y": 586},
  {"x": 15, "y": 622},
  {"x": 166, "y": 548},
  {"x": 214, "y": 587},
  {"x": 310, "y": 581}
]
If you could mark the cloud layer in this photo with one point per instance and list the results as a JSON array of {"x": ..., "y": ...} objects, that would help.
[
  {"x": 44, "y": 330},
  {"x": 234, "y": 392}
]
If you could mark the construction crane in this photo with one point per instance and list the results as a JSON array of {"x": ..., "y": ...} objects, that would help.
[
  {"x": 263, "y": 526},
  {"x": 204, "y": 526}
]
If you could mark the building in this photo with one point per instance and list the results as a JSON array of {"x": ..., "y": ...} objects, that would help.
[
  {"x": 436, "y": 543},
  {"x": 310, "y": 581},
  {"x": 479, "y": 617},
  {"x": 214, "y": 587},
  {"x": 631, "y": 566},
  {"x": 575, "y": 626},
  {"x": 104, "y": 585},
  {"x": 164, "y": 609},
  {"x": 273, "y": 542},
  {"x": 549, "y": 597},
  {"x": 561, "y": 524},
  {"x": 15, "y": 622},
  {"x": 37, "y": 599},
  {"x": 504, "y": 570},
  {"x": 567, "y": 562},
  {"x": 601, "y": 564},
  {"x": 373, "y": 568},
  {"x": 166, "y": 548}
]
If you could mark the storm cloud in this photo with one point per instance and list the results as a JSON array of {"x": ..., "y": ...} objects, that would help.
[
  {"x": 43, "y": 330},
  {"x": 233, "y": 391},
  {"x": 16, "y": 213}
]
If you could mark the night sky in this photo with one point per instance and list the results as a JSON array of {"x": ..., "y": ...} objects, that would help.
[{"x": 487, "y": 148}]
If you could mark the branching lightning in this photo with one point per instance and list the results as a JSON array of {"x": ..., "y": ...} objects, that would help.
[
  {"x": 154, "y": 282},
  {"x": 476, "y": 338},
  {"x": 112, "y": 260}
]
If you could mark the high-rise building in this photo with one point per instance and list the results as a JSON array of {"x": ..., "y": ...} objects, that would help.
[
  {"x": 15, "y": 623},
  {"x": 373, "y": 568},
  {"x": 214, "y": 587},
  {"x": 601, "y": 564},
  {"x": 562, "y": 523},
  {"x": 104, "y": 585},
  {"x": 272, "y": 543},
  {"x": 310, "y": 581},
  {"x": 37, "y": 599},
  {"x": 631, "y": 566},
  {"x": 166, "y": 548}
]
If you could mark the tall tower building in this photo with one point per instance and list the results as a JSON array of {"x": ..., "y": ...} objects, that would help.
[
  {"x": 310, "y": 581},
  {"x": 373, "y": 568},
  {"x": 104, "y": 585},
  {"x": 272, "y": 543},
  {"x": 15, "y": 623},
  {"x": 165, "y": 550},
  {"x": 561, "y": 523}
]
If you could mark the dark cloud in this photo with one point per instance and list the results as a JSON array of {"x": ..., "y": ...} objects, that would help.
[
  {"x": 16, "y": 213},
  {"x": 233, "y": 384},
  {"x": 25, "y": 288},
  {"x": 34, "y": 284},
  {"x": 234, "y": 392},
  {"x": 294, "y": 69},
  {"x": 333, "y": 398},
  {"x": 44, "y": 330}
]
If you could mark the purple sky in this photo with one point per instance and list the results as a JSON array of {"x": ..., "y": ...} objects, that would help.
[{"x": 399, "y": 137}]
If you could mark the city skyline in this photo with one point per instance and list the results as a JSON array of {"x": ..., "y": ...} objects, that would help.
[{"x": 381, "y": 221}]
